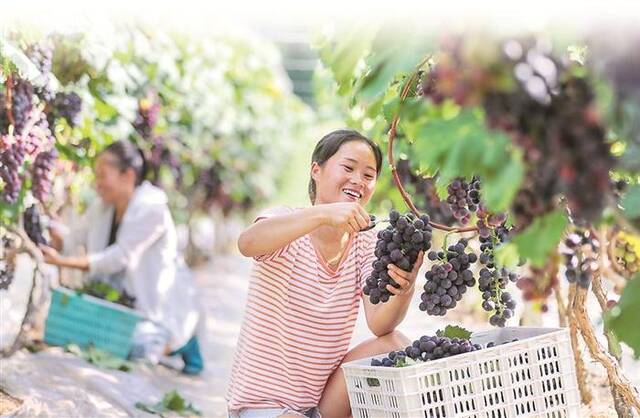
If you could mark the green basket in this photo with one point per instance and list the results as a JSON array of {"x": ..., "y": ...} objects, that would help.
[{"x": 86, "y": 320}]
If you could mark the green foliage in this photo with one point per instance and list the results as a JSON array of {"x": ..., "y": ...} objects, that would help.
[
  {"x": 507, "y": 256},
  {"x": 391, "y": 56},
  {"x": 171, "y": 402},
  {"x": 107, "y": 292},
  {"x": 541, "y": 237},
  {"x": 622, "y": 319},
  {"x": 343, "y": 57},
  {"x": 224, "y": 108},
  {"x": 12, "y": 58},
  {"x": 631, "y": 202},
  {"x": 459, "y": 144},
  {"x": 451, "y": 331},
  {"x": 99, "y": 358}
]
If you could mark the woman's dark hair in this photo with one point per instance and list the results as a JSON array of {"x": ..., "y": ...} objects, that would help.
[
  {"x": 127, "y": 155},
  {"x": 329, "y": 145}
]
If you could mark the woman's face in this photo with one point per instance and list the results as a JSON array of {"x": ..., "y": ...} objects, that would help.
[
  {"x": 111, "y": 183},
  {"x": 348, "y": 176}
]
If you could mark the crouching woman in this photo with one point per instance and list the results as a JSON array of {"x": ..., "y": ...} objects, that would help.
[{"x": 129, "y": 241}]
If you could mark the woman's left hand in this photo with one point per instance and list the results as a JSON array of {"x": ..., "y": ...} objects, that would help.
[
  {"x": 405, "y": 279},
  {"x": 51, "y": 255}
]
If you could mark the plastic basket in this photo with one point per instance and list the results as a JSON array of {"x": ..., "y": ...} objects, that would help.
[
  {"x": 532, "y": 377},
  {"x": 82, "y": 319}
]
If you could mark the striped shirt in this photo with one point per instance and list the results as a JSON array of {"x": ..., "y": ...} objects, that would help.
[{"x": 298, "y": 322}]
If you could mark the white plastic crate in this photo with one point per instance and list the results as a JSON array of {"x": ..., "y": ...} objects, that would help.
[{"x": 532, "y": 377}]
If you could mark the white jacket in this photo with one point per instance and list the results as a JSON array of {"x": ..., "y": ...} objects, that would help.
[{"x": 145, "y": 255}]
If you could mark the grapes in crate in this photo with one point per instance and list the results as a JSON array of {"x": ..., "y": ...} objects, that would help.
[
  {"x": 399, "y": 244},
  {"x": 425, "y": 349}
]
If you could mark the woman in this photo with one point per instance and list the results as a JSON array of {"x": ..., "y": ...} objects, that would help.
[
  {"x": 130, "y": 241},
  {"x": 310, "y": 266}
]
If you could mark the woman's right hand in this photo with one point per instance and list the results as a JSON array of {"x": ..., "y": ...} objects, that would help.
[{"x": 346, "y": 215}]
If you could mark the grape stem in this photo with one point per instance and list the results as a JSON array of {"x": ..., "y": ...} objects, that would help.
[
  {"x": 392, "y": 165},
  {"x": 622, "y": 385},
  {"x": 562, "y": 308},
  {"x": 581, "y": 371}
]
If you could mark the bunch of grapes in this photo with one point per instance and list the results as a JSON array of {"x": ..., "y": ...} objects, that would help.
[
  {"x": 147, "y": 118},
  {"x": 627, "y": 253},
  {"x": 41, "y": 54},
  {"x": 209, "y": 180},
  {"x": 547, "y": 111},
  {"x": 448, "y": 279},
  {"x": 464, "y": 198},
  {"x": 11, "y": 159},
  {"x": 22, "y": 103},
  {"x": 162, "y": 155},
  {"x": 4, "y": 117},
  {"x": 539, "y": 285},
  {"x": 399, "y": 244},
  {"x": 565, "y": 145},
  {"x": 493, "y": 280},
  {"x": 427, "y": 348},
  {"x": 489, "y": 222},
  {"x": 67, "y": 106},
  {"x": 580, "y": 251},
  {"x": 42, "y": 174},
  {"x": 32, "y": 226},
  {"x": 425, "y": 195},
  {"x": 211, "y": 184},
  {"x": 38, "y": 138}
]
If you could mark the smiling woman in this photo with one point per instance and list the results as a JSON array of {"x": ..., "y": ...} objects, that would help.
[
  {"x": 358, "y": 164},
  {"x": 310, "y": 267}
]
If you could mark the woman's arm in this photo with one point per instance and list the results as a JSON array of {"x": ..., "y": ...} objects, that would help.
[
  {"x": 272, "y": 233},
  {"x": 137, "y": 234},
  {"x": 383, "y": 318},
  {"x": 51, "y": 256}
]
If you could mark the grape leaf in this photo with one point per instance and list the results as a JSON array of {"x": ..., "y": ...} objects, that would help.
[
  {"x": 541, "y": 237},
  {"x": 631, "y": 202},
  {"x": 99, "y": 358},
  {"x": 458, "y": 144},
  {"x": 342, "y": 57},
  {"x": 387, "y": 60},
  {"x": 172, "y": 401},
  {"x": 622, "y": 319},
  {"x": 452, "y": 331},
  {"x": 507, "y": 256}
]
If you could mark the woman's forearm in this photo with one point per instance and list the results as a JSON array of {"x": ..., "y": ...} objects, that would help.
[
  {"x": 273, "y": 233},
  {"x": 387, "y": 316},
  {"x": 76, "y": 262}
]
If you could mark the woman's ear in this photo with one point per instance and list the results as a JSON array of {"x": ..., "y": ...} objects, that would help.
[
  {"x": 315, "y": 170},
  {"x": 130, "y": 175}
]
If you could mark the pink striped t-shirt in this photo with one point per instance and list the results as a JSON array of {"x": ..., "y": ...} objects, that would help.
[{"x": 298, "y": 322}]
